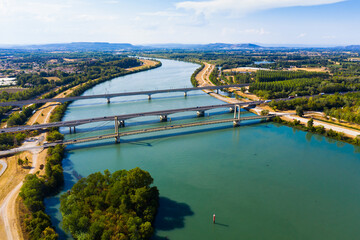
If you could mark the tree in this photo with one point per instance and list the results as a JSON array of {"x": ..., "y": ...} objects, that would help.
[
  {"x": 26, "y": 161},
  {"x": 20, "y": 162},
  {"x": 310, "y": 123},
  {"x": 299, "y": 111},
  {"x": 121, "y": 205},
  {"x": 264, "y": 112}
]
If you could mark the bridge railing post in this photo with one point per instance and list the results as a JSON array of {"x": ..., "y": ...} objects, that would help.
[
  {"x": 237, "y": 115},
  {"x": 117, "y": 132}
]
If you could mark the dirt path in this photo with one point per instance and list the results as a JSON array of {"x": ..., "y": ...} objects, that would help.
[
  {"x": 3, "y": 167},
  {"x": 44, "y": 113},
  {"x": 11, "y": 181},
  {"x": 9, "y": 188},
  {"x": 203, "y": 79},
  {"x": 348, "y": 132}
]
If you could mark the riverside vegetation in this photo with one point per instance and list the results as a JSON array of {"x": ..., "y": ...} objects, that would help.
[
  {"x": 36, "y": 188},
  {"x": 121, "y": 205},
  {"x": 330, "y": 71},
  {"x": 87, "y": 72}
]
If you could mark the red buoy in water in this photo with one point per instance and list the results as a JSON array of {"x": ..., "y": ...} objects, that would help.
[{"x": 214, "y": 218}]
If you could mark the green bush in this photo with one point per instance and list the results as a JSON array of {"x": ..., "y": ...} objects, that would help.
[{"x": 121, "y": 205}]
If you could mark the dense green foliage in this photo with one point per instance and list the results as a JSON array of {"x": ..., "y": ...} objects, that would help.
[
  {"x": 193, "y": 76},
  {"x": 342, "y": 107},
  {"x": 21, "y": 117},
  {"x": 121, "y": 205},
  {"x": 319, "y": 130},
  {"x": 280, "y": 89},
  {"x": 8, "y": 140},
  {"x": 236, "y": 78},
  {"x": 36, "y": 188},
  {"x": 271, "y": 76},
  {"x": 214, "y": 77},
  {"x": 302, "y": 87}
]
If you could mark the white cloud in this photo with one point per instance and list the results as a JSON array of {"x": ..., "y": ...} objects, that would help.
[
  {"x": 247, "y": 32},
  {"x": 329, "y": 37},
  {"x": 302, "y": 35},
  {"x": 162, "y": 14},
  {"x": 260, "y": 31},
  {"x": 246, "y": 6}
]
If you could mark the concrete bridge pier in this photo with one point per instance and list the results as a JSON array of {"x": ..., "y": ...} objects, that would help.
[
  {"x": 236, "y": 123},
  {"x": 149, "y": 96},
  {"x": 237, "y": 115},
  {"x": 71, "y": 131},
  {"x": 117, "y": 132},
  {"x": 217, "y": 91},
  {"x": 108, "y": 100},
  {"x": 200, "y": 113},
  {"x": 163, "y": 118}
]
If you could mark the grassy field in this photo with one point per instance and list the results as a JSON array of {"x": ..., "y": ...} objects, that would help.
[{"x": 12, "y": 90}]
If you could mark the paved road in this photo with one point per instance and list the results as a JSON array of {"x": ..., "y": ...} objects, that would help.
[
  {"x": 122, "y": 94},
  {"x": 121, "y": 117},
  {"x": 7, "y": 208},
  {"x": 4, "y": 166}
]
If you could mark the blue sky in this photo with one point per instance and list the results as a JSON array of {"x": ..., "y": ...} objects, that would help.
[{"x": 311, "y": 22}]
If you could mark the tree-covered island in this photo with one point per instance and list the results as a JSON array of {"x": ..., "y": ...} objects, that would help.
[{"x": 117, "y": 206}]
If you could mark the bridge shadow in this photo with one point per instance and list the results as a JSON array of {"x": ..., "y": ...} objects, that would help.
[
  {"x": 110, "y": 125},
  {"x": 143, "y": 99},
  {"x": 142, "y": 140},
  {"x": 170, "y": 216}
]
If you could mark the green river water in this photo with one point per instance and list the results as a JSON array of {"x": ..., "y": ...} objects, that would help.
[{"x": 262, "y": 180}]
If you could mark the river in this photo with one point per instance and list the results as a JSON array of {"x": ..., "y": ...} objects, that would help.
[{"x": 263, "y": 181}]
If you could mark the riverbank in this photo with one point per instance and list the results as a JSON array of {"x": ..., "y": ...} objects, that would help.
[
  {"x": 10, "y": 207},
  {"x": 246, "y": 176},
  {"x": 287, "y": 116}
]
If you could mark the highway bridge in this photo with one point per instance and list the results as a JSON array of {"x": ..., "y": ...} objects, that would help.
[
  {"x": 122, "y": 94},
  {"x": 121, "y": 118},
  {"x": 118, "y": 135}
]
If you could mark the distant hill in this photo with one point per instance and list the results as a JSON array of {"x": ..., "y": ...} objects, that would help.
[
  {"x": 230, "y": 46},
  {"x": 352, "y": 47},
  {"x": 78, "y": 46},
  {"x": 211, "y": 46}
]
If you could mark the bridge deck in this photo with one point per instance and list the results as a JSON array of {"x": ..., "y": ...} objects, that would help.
[
  {"x": 122, "y": 94},
  {"x": 163, "y": 128},
  {"x": 121, "y": 117}
]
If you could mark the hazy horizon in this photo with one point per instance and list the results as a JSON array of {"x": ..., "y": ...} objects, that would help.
[{"x": 263, "y": 22}]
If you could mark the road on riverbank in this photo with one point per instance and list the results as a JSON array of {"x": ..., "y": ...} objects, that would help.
[
  {"x": 203, "y": 79},
  {"x": 10, "y": 226}
]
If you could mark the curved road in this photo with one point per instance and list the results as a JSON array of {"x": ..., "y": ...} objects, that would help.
[
  {"x": 7, "y": 208},
  {"x": 4, "y": 166}
]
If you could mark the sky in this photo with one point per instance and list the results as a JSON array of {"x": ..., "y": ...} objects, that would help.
[{"x": 308, "y": 22}]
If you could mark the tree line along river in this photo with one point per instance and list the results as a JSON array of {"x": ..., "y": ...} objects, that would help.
[{"x": 262, "y": 180}]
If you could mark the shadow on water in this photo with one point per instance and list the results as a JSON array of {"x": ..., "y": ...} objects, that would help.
[
  {"x": 141, "y": 140},
  {"x": 171, "y": 215},
  {"x": 221, "y": 224},
  {"x": 181, "y": 96},
  {"x": 110, "y": 125},
  {"x": 52, "y": 205}
]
